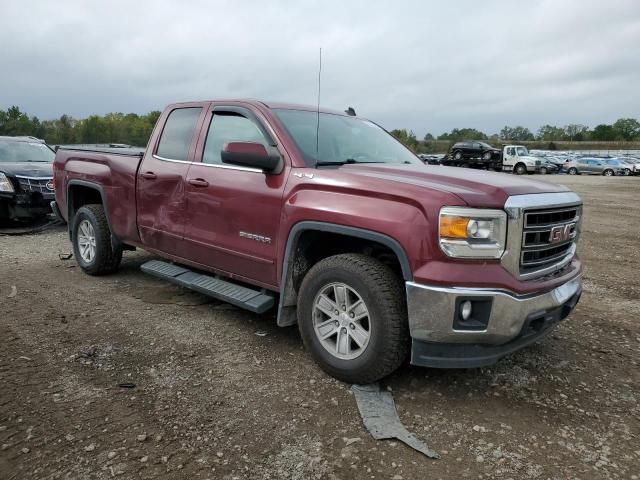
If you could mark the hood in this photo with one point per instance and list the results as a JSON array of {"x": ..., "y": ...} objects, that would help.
[
  {"x": 529, "y": 158},
  {"x": 477, "y": 188},
  {"x": 27, "y": 169}
]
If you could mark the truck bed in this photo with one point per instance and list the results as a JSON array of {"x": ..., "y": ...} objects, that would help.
[{"x": 112, "y": 172}]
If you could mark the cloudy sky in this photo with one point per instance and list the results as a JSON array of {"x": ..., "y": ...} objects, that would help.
[{"x": 425, "y": 65}]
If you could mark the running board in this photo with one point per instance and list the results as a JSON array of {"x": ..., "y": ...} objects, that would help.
[{"x": 243, "y": 297}]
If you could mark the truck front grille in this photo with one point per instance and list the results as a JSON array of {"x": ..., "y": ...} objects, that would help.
[
  {"x": 42, "y": 185},
  {"x": 548, "y": 237}
]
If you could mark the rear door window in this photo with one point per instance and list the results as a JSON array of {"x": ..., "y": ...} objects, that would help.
[{"x": 178, "y": 133}]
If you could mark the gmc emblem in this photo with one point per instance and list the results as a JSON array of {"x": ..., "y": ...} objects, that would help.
[{"x": 562, "y": 233}]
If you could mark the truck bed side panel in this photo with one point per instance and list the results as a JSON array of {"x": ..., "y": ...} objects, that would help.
[{"x": 115, "y": 175}]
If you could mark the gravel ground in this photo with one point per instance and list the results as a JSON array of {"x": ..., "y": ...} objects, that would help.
[{"x": 222, "y": 393}]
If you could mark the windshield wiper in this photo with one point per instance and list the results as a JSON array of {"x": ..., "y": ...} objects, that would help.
[{"x": 337, "y": 162}]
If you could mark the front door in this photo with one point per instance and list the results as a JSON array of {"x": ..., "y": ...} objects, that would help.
[
  {"x": 161, "y": 181},
  {"x": 233, "y": 213},
  {"x": 509, "y": 157}
]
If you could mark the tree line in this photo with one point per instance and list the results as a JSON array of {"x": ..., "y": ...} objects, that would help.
[
  {"x": 134, "y": 129},
  {"x": 130, "y": 128},
  {"x": 622, "y": 130}
]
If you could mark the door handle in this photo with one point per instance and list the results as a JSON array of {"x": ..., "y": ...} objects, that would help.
[
  {"x": 198, "y": 182},
  {"x": 149, "y": 175}
]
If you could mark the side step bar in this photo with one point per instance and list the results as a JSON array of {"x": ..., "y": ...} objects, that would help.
[{"x": 237, "y": 295}]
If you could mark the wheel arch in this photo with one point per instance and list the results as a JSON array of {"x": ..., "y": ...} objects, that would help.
[
  {"x": 83, "y": 192},
  {"x": 296, "y": 262}
]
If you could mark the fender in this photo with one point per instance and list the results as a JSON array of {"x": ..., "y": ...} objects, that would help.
[
  {"x": 115, "y": 241},
  {"x": 286, "y": 306}
]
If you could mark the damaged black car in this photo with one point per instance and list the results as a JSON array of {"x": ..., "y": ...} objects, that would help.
[{"x": 26, "y": 179}]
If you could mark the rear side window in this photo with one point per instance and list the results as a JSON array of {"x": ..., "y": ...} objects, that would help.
[
  {"x": 229, "y": 128},
  {"x": 178, "y": 132}
]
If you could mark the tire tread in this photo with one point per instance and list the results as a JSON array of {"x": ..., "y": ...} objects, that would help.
[{"x": 389, "y": 291}]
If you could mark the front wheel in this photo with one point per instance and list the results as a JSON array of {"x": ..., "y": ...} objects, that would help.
[
  {"x": 573, "y": 171},
  {"x": 352, "y": 318},
  {"x": 520, "y": 169},
  {"x": 608, "y": 173},
  {"x": 486, "y": 156},
  {"x": 92, "y": 244},
  {"x": 543, "y": 170},
  {"x": 457, "y": 156}
]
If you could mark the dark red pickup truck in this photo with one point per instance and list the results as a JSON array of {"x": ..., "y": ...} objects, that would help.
[{"x": 328, "y": 218}]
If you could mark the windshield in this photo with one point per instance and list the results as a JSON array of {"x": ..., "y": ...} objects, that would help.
[
  {"x": 522, "y": 151},
  {"x": 12, "y": 151},
  {"x": 342, "y": 139}
]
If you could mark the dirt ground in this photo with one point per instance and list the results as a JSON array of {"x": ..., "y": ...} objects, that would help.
[{"x": 225, "y": 394}]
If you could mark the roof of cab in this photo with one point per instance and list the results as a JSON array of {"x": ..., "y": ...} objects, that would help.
[{"x": 269, "y": 105}]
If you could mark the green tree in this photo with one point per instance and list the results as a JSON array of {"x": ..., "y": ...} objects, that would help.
[
  {"x": 408, "y": 138},
  {"x": 550, "y": 133},
  {"x": 576, "y": 132},
  {"x": 518, "y": 134},
  {"x": 627, "y": 128},
  {"x": 603, "y": 133},
  {"x": 460, "y": 134}
]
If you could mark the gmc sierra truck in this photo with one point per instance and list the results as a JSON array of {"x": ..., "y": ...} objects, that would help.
[{"x": 328, "y": 219}]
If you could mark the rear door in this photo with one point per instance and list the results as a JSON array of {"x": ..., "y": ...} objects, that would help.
[
  {"x": 160, "y": 187},
  {"x": 233, "y": 213}
]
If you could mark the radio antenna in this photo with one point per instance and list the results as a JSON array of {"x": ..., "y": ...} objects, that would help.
[{"x": 318, "y": 111}]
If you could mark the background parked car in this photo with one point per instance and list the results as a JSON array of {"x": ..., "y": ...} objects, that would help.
[
  {"x": 26, "y": 174},
  {"x": 617, "y": 163},
  {"x": 547, "y": 166},
  {"x": 632, "y": 165},
  {"x": 593, "y": 166},
  {"x": 474, "y": 149}
]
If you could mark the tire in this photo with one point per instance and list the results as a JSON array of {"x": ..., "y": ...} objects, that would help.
[
  {"x": 573, "y": 171},
  {"x": 627, "y": 172},
  {"x": 520, "y": 169},
  {"x": 457, "y": 155},
  {"x": 486, "y": 156},
  {"x": 608, "y": 173},
  {"x": 543, "y": 170},
  {"x": 383, "y": 297},
  {"x": 106, "y": 258}
]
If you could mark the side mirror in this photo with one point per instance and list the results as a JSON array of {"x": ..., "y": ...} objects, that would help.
[{"x": 251, "y": 154}]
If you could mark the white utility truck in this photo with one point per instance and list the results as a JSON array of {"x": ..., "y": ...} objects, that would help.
[{"x": 516, "y": 159}]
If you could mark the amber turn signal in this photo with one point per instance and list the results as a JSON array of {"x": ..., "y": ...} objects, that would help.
[{"x": 453, "y": 227}]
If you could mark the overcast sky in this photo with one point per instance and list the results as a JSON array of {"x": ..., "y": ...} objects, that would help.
[{"x": 426, "y": 65}]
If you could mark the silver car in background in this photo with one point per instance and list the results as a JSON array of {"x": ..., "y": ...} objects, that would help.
[
  {"x": 632, "y": 165},
  {"x": 595, "y": 166}
]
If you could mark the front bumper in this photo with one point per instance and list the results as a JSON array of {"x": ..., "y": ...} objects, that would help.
[
  {"x": 502, "y": 322},
  {"x": 24, "y": 206}
]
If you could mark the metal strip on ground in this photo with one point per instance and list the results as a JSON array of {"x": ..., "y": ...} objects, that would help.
[{"x": 380, "y": 417}]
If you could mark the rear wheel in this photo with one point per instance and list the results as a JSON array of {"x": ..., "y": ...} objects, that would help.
[
  {"x": 543, "y": 170},
  {"x": 92, "y": 245},
  {"x": 573, "y": 171},
  {"x": 608, "y": 173},
  {"x": 520, "y": 169},
  {"x": 352, "y": 318},
  {"x": 457, "y": 155}
]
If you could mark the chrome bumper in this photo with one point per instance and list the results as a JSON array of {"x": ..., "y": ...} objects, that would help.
[{"x": 432, "y": 310}]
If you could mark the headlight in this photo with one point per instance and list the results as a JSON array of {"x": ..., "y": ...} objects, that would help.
[
  {"x": 472, "y": 232},
  {"x": 5, "y": 184}
]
